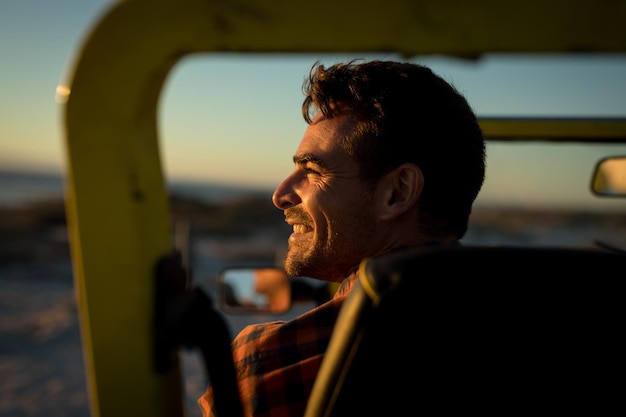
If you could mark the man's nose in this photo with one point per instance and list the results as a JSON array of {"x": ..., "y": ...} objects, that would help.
[{"x": 284, "y": 195}]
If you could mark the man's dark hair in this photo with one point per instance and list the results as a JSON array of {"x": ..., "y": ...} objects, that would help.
[{"x": 404, "y": 112}]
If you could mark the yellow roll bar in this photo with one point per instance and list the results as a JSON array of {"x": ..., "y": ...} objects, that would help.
[{"x": 118, "y": 215}]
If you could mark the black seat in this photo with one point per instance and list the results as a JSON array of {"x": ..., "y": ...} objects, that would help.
[{"x": 490, "y": 330}]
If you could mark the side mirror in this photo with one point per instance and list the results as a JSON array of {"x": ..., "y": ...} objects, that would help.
[
  {"x": 609, "y": 177},
  {"x": 268, "y": 290}
]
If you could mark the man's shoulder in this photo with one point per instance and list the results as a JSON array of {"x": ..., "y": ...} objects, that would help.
[
  {"x": 308, "y": 327},
  {"x": 255, "y": 331}
]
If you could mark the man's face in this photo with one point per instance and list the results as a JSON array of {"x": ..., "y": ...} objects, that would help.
[{"x": 331, "y": 211}]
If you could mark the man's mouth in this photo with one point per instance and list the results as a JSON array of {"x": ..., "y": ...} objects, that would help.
[
  {"x": 301, "y": 228},
  {"x": 298, "y": 221}
]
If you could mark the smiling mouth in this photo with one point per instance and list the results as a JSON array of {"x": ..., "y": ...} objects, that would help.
[{"x": 301, "y": 228}]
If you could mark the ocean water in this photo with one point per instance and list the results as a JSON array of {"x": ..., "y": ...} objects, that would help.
[
  {"x": 21, "y": 187},
  {"x": 18, "y": 187}
]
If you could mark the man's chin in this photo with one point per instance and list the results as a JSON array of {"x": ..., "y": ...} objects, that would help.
[{"x": 297, "y": 264}]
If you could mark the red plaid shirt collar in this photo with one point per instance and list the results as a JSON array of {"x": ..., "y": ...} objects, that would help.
[{"x": 277, "y": 362}]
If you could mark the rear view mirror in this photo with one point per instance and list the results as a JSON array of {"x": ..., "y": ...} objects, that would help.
[
  {"x": 251, "y": 290},
  {"x": 269, "y": 290},
  {"x": 609, "y": 177}
]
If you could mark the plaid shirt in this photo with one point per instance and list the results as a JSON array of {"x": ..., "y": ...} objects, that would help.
[{"x": 277, "y": 362}]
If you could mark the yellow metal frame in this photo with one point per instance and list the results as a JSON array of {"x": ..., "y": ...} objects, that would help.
[
  {"x": 117, "y": 207},
  {"x": 604, "y": 130}
]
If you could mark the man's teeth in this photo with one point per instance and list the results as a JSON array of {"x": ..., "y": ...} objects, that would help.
[{"x": 300, "y": 228}]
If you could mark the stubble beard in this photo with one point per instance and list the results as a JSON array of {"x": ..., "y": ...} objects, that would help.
[
  {"x": 312, "y": 262},
  {"x": 330, "y": 258},
  {"x": 299, "y": 261}
]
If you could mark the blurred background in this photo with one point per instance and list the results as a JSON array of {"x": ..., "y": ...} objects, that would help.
[{"x": 229, "y": 125}]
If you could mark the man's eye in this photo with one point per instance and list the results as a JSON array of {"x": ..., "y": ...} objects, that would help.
[{"x": 311, "y": 171}]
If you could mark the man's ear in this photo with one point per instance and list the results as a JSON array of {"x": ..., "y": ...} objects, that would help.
[{"x": 401, "y": 189}]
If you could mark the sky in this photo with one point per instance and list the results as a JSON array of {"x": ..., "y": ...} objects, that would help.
[{"x": 236, "y": 118}]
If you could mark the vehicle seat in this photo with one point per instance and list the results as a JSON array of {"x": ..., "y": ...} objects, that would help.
[{"x": 490, "y": 330}]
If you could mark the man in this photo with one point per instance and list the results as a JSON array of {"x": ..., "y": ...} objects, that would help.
[{"x": 392, "y": 157}]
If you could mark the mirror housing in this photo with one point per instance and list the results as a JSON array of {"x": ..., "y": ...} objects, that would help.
[
  {"x": 609, "y": 177},
  {"x": 267, "y": 290}
]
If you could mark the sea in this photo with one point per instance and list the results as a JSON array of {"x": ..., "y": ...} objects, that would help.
[{"x": 22, "y": 187}]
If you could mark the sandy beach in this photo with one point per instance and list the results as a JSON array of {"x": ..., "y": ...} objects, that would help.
[
  {"x": 41, "y": 366},
  {"x": 41, "y": 359}
]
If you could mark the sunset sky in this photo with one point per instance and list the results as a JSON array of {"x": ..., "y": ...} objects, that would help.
[{"x": 236, "y": 118}]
